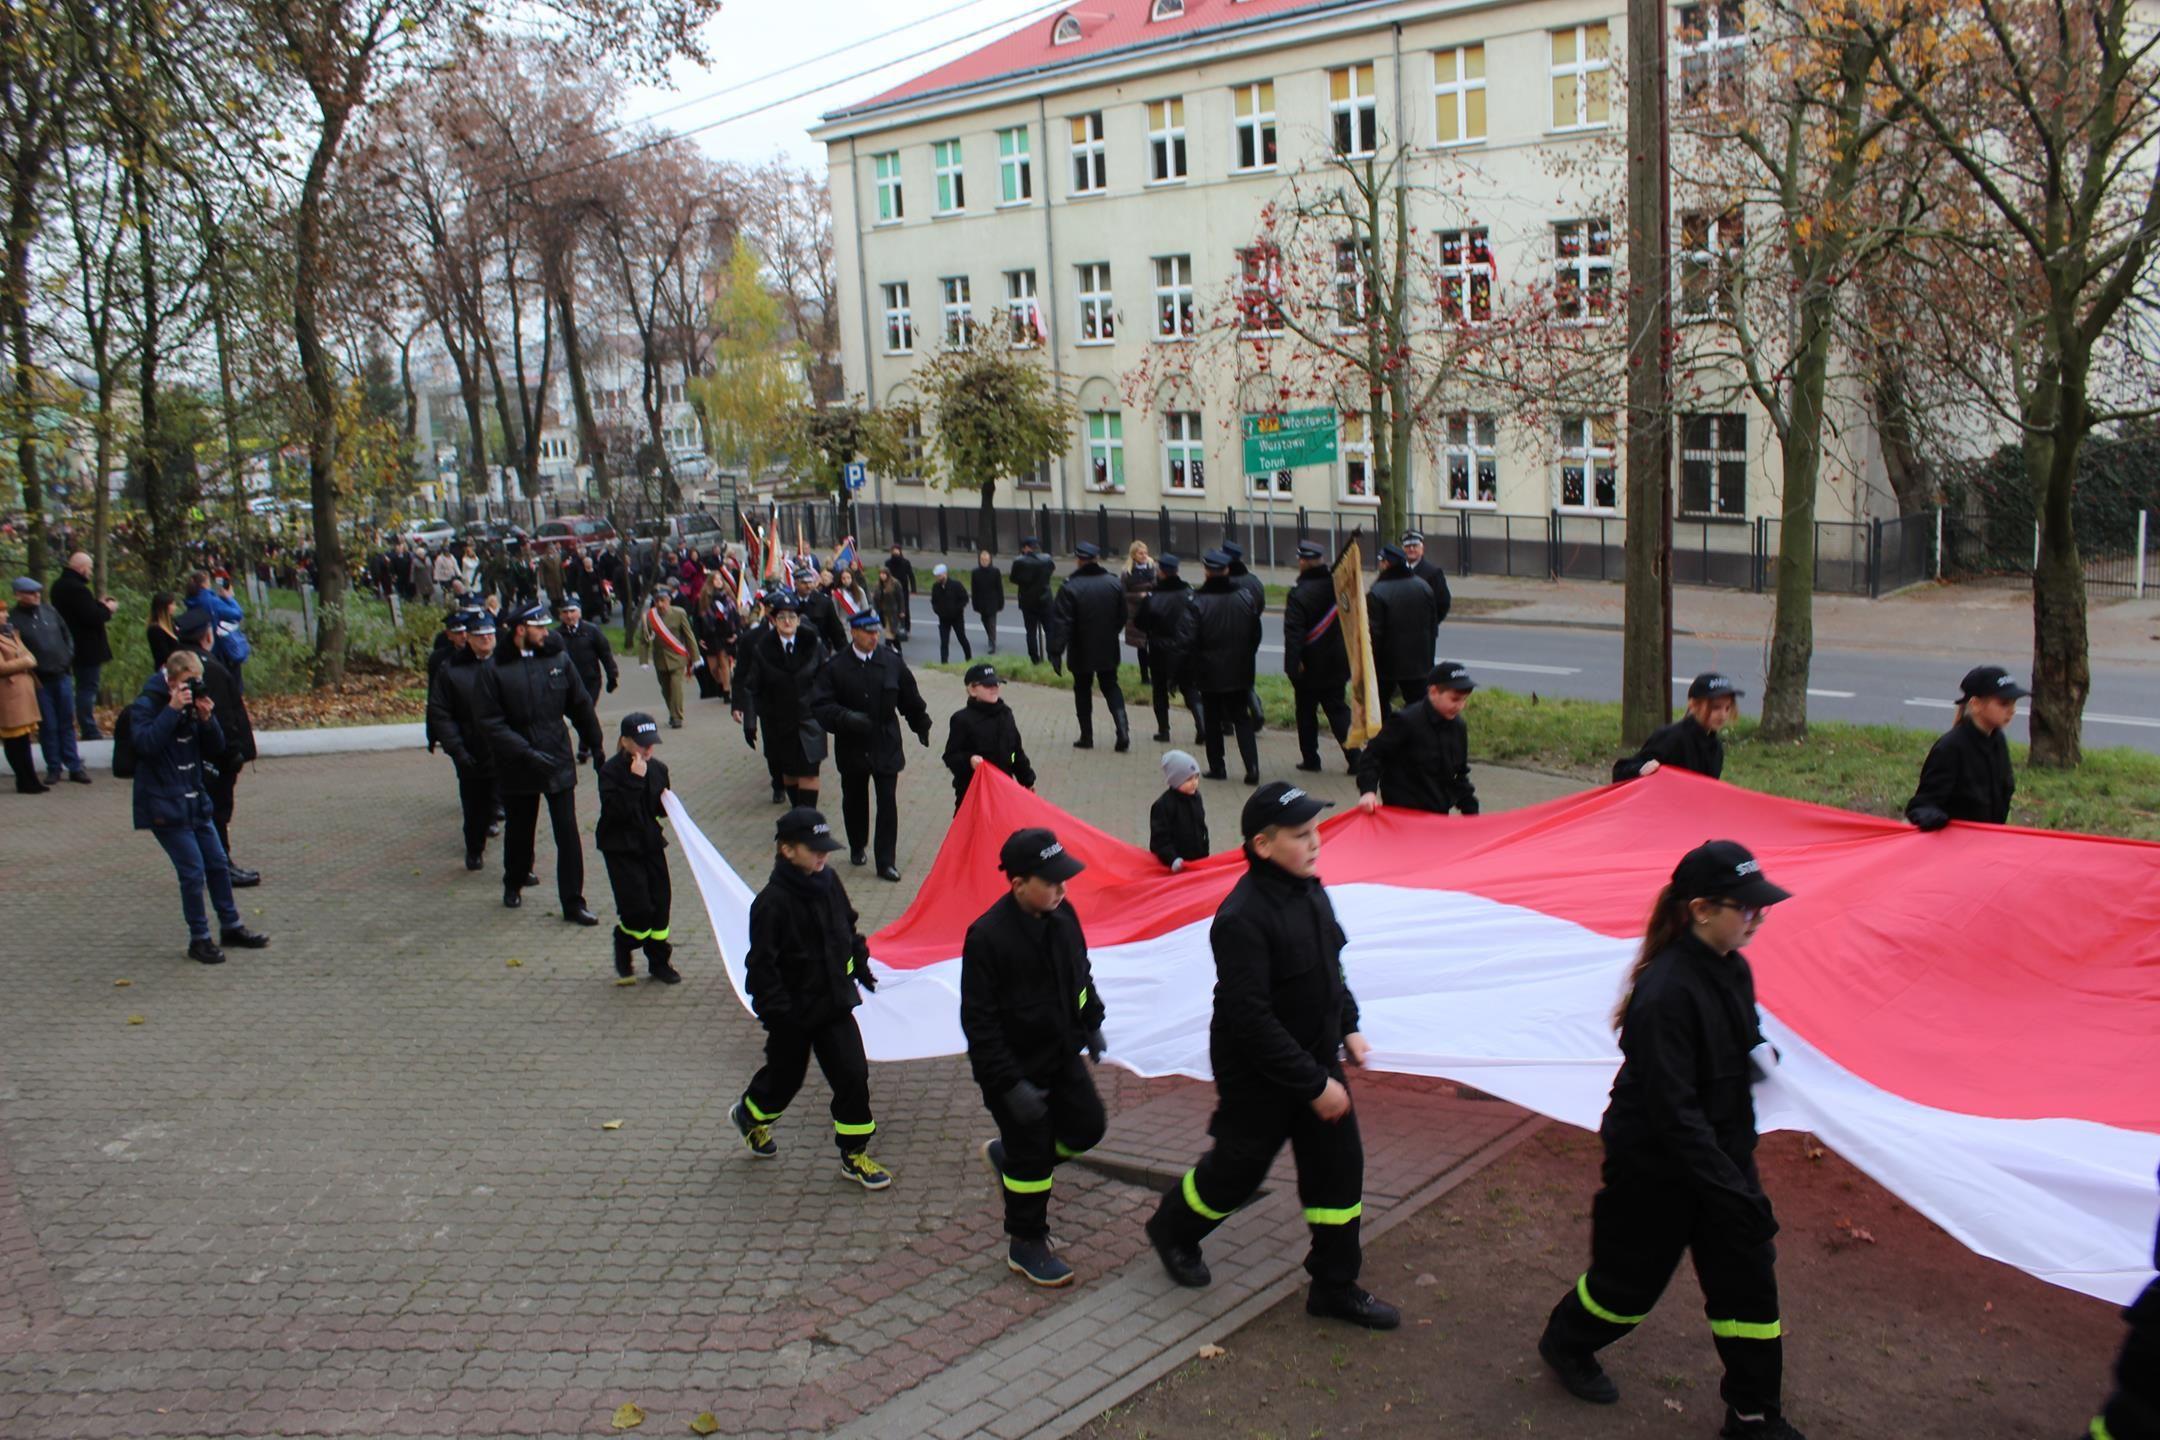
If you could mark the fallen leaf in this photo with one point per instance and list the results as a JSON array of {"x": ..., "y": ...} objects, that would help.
[
  {"x": 705, "y": 1424},
  {"x": 1428, "y": 1278},
  {"x": 611, "y": 1124},
  {"x": 1212, "y": 1352},
  {"x": 513, "y": 962},
  {"x": 122, "y": 984},
  {"x": 628, "y": 1416},
  {"x": 135, "y": 1019},
  {"x": 625, "y": 980},
  {"x": 1674, "y": 1405}
]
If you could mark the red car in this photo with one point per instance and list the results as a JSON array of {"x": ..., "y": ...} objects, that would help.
[{"x": 575, "y": 532}]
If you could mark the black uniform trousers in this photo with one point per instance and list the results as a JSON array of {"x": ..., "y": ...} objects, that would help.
[
  {"x": 1166, "y": 689},
  {"x": 220, "y": 789},
  {"x": 643, "y": 898},
  {"x": 838, "y": 1047},
  {"x": 1410, "y": 690},
  {"x": 855, "y": 788},
  {"x": 1640, "y": 1224},
  {"x": 521, "y": 823},
  {"x": 1073, "y": 1126},
  {"x": 989, "y": 624},
  {"x": 476, "y": 805},
  {"x": 951, "y": 630},
  {"x": 1218, "y": 715},
  {"x": 1312, "y": 702},
  {"x": 1037, "y": 624},
  {"x": 1249, "y": 1133},
  {"x": 1084, "y": 683},
  {"x": 2133, "y": 1411}
]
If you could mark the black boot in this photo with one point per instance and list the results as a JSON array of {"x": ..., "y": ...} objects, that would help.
[
  {"x": 1182, "y": 1263},
  {"x": 625, "y": 951},
  {"x": 1124, "y": 730},
  {"x": 658, "y": 954},
  {"x": 1352, "y": 1304},
  {"x": 1577, "y": 1371}
]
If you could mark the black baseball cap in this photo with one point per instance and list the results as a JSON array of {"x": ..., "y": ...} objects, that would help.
[
  {"x": 1712, "y": 686},
  {"x": 1451, "y": 675},
  {"x": 1310, "y": 550},
  {"x": 1037, "y": 852},
  {"x": 641, "y": 727},
  {"x": 1725, "y": 870},
  {"x": 1983, "y": 681},
  {"x": 1278, "y": 803},
  {"x": 983, "y": 674},
  {"x": 805, "y": 826}
]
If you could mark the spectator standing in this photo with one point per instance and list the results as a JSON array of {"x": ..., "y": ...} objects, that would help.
[
  {"x": 1422, "y": 566},
  {"x": 19, "y": 709},
  {"x": 221, "y": 768},
  {"x": 949, "y": 602},
  {"x": 86, "y": 615},
  {"x": 46, "y": 636},
  {"x": 986, "y": 589},
  {"x": 215, "y": 596},
  {"x": 158, "y": 629},
  {"x": 1139, "y": 581}
]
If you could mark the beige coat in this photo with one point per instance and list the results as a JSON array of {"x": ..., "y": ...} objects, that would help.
[{"x": 18, "y": 685}]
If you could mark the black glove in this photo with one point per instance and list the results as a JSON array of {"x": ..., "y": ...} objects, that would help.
[
  {"x": 611, "y": 685},
  {"x": 1095, "y": 1045},
  {"x": 1927, "y": 817},
  {"x": 1027, "y": 1103},
  {"x": 859, "y": 966},
  {"x": 922, "y": 732}
]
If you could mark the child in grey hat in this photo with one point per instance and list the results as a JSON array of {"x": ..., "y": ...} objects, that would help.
[{"x": 1177, "y": 826}]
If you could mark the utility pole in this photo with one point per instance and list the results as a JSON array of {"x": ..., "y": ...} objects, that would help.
[{"x": 1646, "y": 674}]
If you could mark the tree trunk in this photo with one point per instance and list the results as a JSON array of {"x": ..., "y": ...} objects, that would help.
[
  {"x": 228, "y": 410},
  {"x": 986, "y": 521},
  {"x": 22, "y": 224},
  {"x": 581, "y": 398},
  {"x": 1910, "y": 480},
  {"x": 1792, "y": 627},
  {"x": 2062, "y": 672},
  {"x": 1646, "y": 641},
  {"x": 315, "y": 370},
  {"x": 101, "y": 494},
  {"x": 166, "y": 528}
]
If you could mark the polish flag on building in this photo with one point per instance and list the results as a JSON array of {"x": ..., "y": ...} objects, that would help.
[{"x": 1971, "y": 1017}]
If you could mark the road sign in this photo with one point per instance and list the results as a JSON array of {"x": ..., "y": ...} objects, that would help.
[
  {"x": 856, "y": 476},
  {"x": 1287, "y": 439}
]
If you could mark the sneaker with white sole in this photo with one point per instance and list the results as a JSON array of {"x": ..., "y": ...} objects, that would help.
[
  {"x": 1032, "y": 1259},
  {"x": 864, "y": 1171},
  {"x": 757, "y": 1135}
]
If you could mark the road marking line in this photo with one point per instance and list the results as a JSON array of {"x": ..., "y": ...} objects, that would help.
[
  {"x": 1522, "y": 669},
  {"x": 1935, "y": 704},
  {"x": 2138, "y": 720},
  {"x": 1833, "y": 694}
]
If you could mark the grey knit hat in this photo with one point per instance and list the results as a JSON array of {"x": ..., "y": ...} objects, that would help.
[{"x": 1178, "y": 767}]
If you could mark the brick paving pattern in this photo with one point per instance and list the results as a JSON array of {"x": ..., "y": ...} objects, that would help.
[{"x": 357, "y": 1184}]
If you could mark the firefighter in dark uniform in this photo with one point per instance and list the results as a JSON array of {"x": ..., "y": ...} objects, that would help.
[
  {"x": 1679, "y": 1135},
  {"x": 2133, "y": 1411},
  {"x": 1420, "y": 760},
  {"x": 1421, "y": 565},
  {"x": 984, "y": 732},
  {"x": 1169, "y": 621},
  {"x": 1031, "y": 572},
  {"x": 589, "y": 651},
  {"x": 1226, "y": 641},
  {"x": 1967, "y": 774},
  {"x": 862, "y": 695},
  {"x": 1315, "y": 658},
  {"x": 1255, "y": 592},
  {"x": 524, "y": 695},
  {"x": 1285, "y": 1023},
  {"x": 773, "y": 683},
  {"x": 453, "y": 722},
  {"x": 634, "y": 850},
  {"x": 1088, "y": 621},
  {"x": 1404, "y": 620},
  {"x": 804, "y": 968},
  {"x": 1028, "y": 1008},
  {"x": 447, "y": 643},
  {"x": 1692, "y": 742}
]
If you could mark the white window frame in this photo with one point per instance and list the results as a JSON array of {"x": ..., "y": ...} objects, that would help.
[
  {"x": 1724, "y": 449},
  {"x": 899, "y": 319},
  {"x": 1261, "y": 288},
  {"x": 1090, "y": 157},
  {"x": 1066, "y": 30},
  {"x": 1477, "y": 450},
  {"x": 1184, "y": 445},
  {"x": 914, "y": 450},
  {"x": 1582, "y": 268},
  {"x": 1351, "y": 286},
  {"x": 957, "y": 306},
  {"x": 1098, "y": 313},
  {"x": 1459, "y": 276},
  {"x": 1452, "y": 95},
  {"x": 891, "y": 199},
  {"x": 1354, "y": 116},
  {"x": 1016, "y": 167},
  {"x": 1175, "y": 316},
  {"x": 1591, "y": 447},
  {"x": 1283, "y": 483},
  {"x": 950, "y": 194},
  {"x": 1584, "y": 69},
  {"x": 1712, "y": 56},
  {"x": 1254, "y": 128},
  {"x": 1713, "y": 263},
  {"x": 1106, "y": 450},
  {"x": 1024, "y": 310},
  {"x": 1166, "y": 10},
  {"x": 1167, "y": 158},
  {"x": 1354, "y": 444}
]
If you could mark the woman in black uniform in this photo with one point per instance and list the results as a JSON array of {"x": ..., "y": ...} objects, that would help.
[
  {"x": 772, "y": 687},
  {"x": 1679, "y": 1138}
]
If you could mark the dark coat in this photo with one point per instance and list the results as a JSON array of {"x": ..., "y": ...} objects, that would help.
[
  {"x": 822, "y": 618},
  {"x": 1436, "y": 580},
  {"x": 1282, "y": 1003},
  {"x": 1419, "y": 761},
  {"x": 47, "y": 638},
  {"x": 170, "y": 746},
  {"x": 1405, "y": 622},
  {"x": 991, "y": 731},
  {"x": 229, "y": 708},
  {"x": 522, "y": 702},
  {"x": 861, "y": 702},
  {"x": 630, "y": 808},
  {"x": 1314, "y": 654},
  {"x": 1171, "y": 623},
  {"x": 1177, "y": 826},
  {"x": 1251, "y": 586},
  {"x": 902, "y": 569},
  {"x": 800, "y": 968},
  {"x": 986, "y": 589},
  {"x": 1027, "y": 997},
  {"x": 1226, "y": 639},
  {"x": 162, "y": 642},
  {"x": 1089, "y": 619},
  {"x": 1031, "y": 577},
  {"x": 1683, "y": 745},
  {"x": 1966, "y": 776},
  {"x": 453, "y": 712},
  {"x": 1137, "y": 581},
  {"x": 773, "y": 689},
  {"x": 949, "y": 600},
  {"x": 588, "y": 649},
  {"x": 85, "y": 615}
]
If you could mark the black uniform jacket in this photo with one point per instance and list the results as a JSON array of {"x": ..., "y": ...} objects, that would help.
[
  {"x": 230, "y": 707},
  {"x": 453, "y": 711},
  {"x": 1177, "y": 827},
  {"x": 988, "y": 730},
  {"x": 860, "y": 703},
  {"x": 1436, "y": 579},
  {"x": 588, "y": 649},
  {"x": 630, "y": 807},
  {"x": 1420, "y": 761},
  {"x": 800, "y": 970},
  {"x": 1314, "y": 654},
  {"x": 1031, "y": 577},
  {"x": 987, "y": 588},
  {"x": 1683, "y": 1104},
  {"x": 521, "y": 703},
  {"x": 1225, "y": 640},
  {"x": 820, "y": 617},
  {"x": 1027, "y": 997},
  {"x": 1171, "y": 624},
  {"x": 1966, "y": 777},
  {"x": 948, "y": 600},
  {"x": 1282, "y": 1003},
  {"x": 1089, "y": 620},
  {"x": 1682, "y": 744},
  {"x": 1405, "y": 620},
  {"x": 1251, "y": 586},
  {"x": 773, "y": 685}
]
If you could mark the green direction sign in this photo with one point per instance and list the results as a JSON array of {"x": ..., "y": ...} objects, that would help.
[{"x": 1288, "y": 439}]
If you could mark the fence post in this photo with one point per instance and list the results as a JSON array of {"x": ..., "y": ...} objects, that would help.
[
  {"x": 1875, "y": 561},
  {"x": 1552, "y": 545},
  {"x": 1102, "y": 528},
  {"x": 2144, "y": 517},
  {"x": 1938, "y": 543},
  {"x": 2036, "y": 547}
]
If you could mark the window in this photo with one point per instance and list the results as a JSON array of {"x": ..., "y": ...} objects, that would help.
[
  {"x": 951, "y": 183},
  {"x": 899, "y": 321},
  {"x": 1106, "y": 451},
  {"x": 959, "y": 310},
  {"x": 1713, "y": 56},
  {"x": 1581, "y": 76},
  {"x": 1167, "y": 10},
  {"x": 1356, "y": 448},
  {"x": 1459, "y": 94},
  {"x": 1260, "y": 487},
  {"x": 1466, "y": 276},
  {"x": 1713, "y": 465},
  {"x": 1022, "y": 309},
  {"x": 1353, "y": 287},
  {"x": 1016, "y": 172},
  {"x": 1260, "y": 290},
  {"x": 1253, "y": 107},
  {"x": 1173, "y": 297},
  {"x": 1589, "y": 477},
  {"x": 1472, "y": 457},
  {"x": 1711, "y": 247},
  {"x": 1354, "y": 110},
  {"x": 1098, "y": 325},
  {"x": 1184, "y": 460},
  {"x": 1087, "y": 154},
  {"x": 1582, "y": 271},
  {"x": 1066, "y": 31},
  {"x": 913, "y": 449},
  {"x": 1166, "y": 141},
  {"x": 887, "y": 167}
]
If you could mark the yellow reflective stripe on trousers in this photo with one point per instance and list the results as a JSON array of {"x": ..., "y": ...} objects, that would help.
[
  {"x": 1321, "y": 1215},
  {"x": 1026, "y": 1187},
  {"x": 1083, "y": 997},
  {"x": 757, "y": 1114},
  {"x": 1066, "y": 1152},
  {"x": 2100, "y": 1430},
  {"x": 1582, "y": 1293},
  {"x": 637, "y": 934},
  {"x": 843, "y": 1128},
  {"x": 659, "y": 934},
  {"x": 1746, "y": 1329},
  {"x": 1192, "y": 1198}
]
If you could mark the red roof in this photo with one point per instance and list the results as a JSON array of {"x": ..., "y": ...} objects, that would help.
[{"x": 1107, "y": 27}]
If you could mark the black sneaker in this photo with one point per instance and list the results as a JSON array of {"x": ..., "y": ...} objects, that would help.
[
  {"x": 1084, "y": 743},
  {"x": 1772, "y": 1426},
  {"x": 242, "y": 938},
  {"x": 1578, "y": 1373},
  {"x": 205, "y": 952},
  {"x": 756, "y": 1134},
  {"x": 1353, "y": 1305},
  {"x": 78, "y": 777},
  {"x": 1182, "y": 1263},
  {"x": 667, "y": 974},
  {"x": 864, "y": 1171},
  {"x": 1032, "y": 1259}
]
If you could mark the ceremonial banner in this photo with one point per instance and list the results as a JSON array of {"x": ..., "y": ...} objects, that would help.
[
  {"x": 1367, "y": 712},
  {"x": 1971, "y": 1017}
]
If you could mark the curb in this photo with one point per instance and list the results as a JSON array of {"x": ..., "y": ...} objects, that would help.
[{"x": 279, "y": 744}]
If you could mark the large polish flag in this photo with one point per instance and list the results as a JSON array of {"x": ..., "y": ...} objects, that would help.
[{"x": 1971, "y": 1017}]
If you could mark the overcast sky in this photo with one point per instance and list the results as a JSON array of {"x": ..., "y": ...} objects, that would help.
[{"x": 766, "y": 51}]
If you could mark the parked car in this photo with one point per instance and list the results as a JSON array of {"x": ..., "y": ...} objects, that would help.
[
  {"x": 478, "y": 531},
  {"x": 574, "y": 532},
  {"x": 434, "y": 534}
]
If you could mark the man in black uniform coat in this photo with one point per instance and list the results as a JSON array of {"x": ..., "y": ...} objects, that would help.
[
  {"x": 1967, "y": 774},
  {"x": 1285, "y": 1022},
  {"x": 775, "y": 676},
  {"x": 1031, "y": 572},
  {"x": 1421, "y": 565},
  {"x": 1315, "y": 657},
  {"x": 1420, "y": 760},
  {"x": 1087, "y": 625},
  {"x": 1028, "y": 1007},
  {"x": 525, "y": 693},
  {"x": 453, "y": 722},
  {"x": 984, "y": 732},
  {"x": 1170, "y": 622},
  {"x": 1255, "y": 592},
  {"x": 819, "y": 615},
  {"x": 1226, "y": 640},
  {"x": 589, "y": 652},
  {"x": 1692, "y": 741},
  {"x": 448, "y": 642},
  {"x": 221, "y": 772},
  {"x": 1404, "y": 619},
  {"x": 862, "y": 695}
]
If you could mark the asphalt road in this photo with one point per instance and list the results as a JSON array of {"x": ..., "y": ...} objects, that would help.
[{"x": 1864, "y": 686}]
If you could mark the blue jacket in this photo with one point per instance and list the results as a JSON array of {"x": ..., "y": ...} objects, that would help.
[
  {"x": 169, "y": 749},
  {"x": 226, "y": 618}
]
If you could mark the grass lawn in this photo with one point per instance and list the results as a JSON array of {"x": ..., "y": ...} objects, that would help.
[{"x": 1869, "y": 768}]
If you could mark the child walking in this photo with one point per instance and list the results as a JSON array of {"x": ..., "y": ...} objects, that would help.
[
  {"x": 1177, "y": 825},
  {"x": 634, "y": 849}
]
